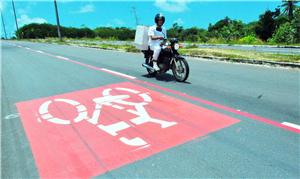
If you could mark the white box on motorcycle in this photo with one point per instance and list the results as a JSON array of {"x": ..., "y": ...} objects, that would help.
[{"x": 141, "y": 37}]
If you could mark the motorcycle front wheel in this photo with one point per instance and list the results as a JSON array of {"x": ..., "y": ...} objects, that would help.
[{"x": 180, "y": 69}]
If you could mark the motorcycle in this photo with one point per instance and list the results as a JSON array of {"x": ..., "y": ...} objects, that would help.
[{"x": 169, "y": 58}]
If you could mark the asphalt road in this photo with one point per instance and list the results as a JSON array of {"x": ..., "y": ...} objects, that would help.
[{"x": 259, "y": 98}]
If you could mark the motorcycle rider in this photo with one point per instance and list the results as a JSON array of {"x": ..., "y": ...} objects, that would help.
[{"x": 157, "y": 33}]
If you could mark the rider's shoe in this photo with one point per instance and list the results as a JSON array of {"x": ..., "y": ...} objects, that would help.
[{"x": 156, "y": 68}]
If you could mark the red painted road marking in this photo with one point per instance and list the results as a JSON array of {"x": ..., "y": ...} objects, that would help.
[
  {"x": 89, "y": 132},
  {"x": 225, "y": 108}
]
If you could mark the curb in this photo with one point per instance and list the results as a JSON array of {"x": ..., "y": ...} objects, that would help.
[
  {"x": 235, "y": 60},
  {"x": 245, "y": 45}
]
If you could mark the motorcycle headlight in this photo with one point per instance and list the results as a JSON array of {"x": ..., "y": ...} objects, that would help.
[{"x": 176, "y": 46}]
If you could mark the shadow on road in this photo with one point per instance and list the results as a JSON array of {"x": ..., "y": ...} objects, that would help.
[{"x": 164, "y": 77}]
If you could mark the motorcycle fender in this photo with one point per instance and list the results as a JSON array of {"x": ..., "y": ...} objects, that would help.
[{"x": 179, "y": 57}]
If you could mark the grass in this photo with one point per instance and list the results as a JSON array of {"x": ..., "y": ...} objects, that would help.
[
  {"x": 126, "y": 48},
  {"x": 212, "y": 41},
  {"x": 240, "y": 54},
  {"x": 190, "y": 49}
]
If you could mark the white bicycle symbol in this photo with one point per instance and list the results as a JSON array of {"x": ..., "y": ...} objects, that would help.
[{"x": 115, "y": 101}]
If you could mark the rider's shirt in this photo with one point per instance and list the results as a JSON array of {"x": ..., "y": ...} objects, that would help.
[{"x": 153, "y": 32}]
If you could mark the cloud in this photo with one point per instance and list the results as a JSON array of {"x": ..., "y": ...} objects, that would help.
[
  {"x": 115, "y": 23},
  {"x": 26, "y": 8},
  {"x": 22, "y": 11},
  {"x": 2, "y": 5},
  {"x": 24, "y": 19},
  {"x": 179, "y": 21},
  {"x": 172, "y": 6},
  {"x": 118, "y": 22},
  {"x": 86, "y": 9}
]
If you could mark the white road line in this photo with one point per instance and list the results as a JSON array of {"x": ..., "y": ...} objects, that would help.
[
  {"x": 63, "y": 58},
  {"x": 291, "y": 125},
  {"x": 103, "y": 69},
  {"x": 117, "y": 107},
  {"x": 12, "y": 116},
  {"x": 39, "y": 51},
  {"x": 145, "y": 146},
  {"x": 117, "y": 73},
  {"x": 39, "y": 120}
]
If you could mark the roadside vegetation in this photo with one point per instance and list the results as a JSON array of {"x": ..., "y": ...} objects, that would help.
[
  {"x": 237, "y": 55},
  {"x": 278, "y": 27},
  {"x": 190, "y": 50}
]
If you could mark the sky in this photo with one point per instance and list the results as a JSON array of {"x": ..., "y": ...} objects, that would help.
[{"x": 92, "y": 14}]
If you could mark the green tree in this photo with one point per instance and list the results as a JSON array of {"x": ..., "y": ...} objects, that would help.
[
  {"x": 296, "y": 24},
  {"x": 289, "y": 6},
  {"x": 175, "y": 31},
  {"x": 191, "y": 34},
  {"x": 249, "y": 28},
  {"x": 227, "y": 29},
  {"x": 266, "y": 25},
  {"x": 286, "y": 33}
]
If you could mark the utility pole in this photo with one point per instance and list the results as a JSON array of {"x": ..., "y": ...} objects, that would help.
[
  {"x": 3, "y": 24},
  {"x": 57, "y": 20},
  {"x": 135, "y": 15},
  {"x": 13, "y": 5}
]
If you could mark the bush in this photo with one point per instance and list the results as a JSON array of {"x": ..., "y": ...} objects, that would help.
[
  {"x": 124, "y": 33},
  {"x": 119, "y": 33},
  {"x": 41, "y": 31},
  {"x": 250, "y": 39},
  {"x": 104, "y": 32},
  {"x": 34, "y": 30},
  {"x": 189, "y": 46},
  {"x": 216, "y": 41}
]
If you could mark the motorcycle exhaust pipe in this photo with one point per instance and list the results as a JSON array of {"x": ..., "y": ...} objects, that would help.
[{"x": 147, "y": 66}]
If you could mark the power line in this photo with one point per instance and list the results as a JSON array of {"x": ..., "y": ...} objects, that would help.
[
  {"x": 13, "y": 5},
  {"x": 3, "y": 24},
  {"x": 135, "y": 15}
]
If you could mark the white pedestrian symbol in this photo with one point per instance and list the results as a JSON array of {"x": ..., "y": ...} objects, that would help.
[{"x": 115, "y": 101}]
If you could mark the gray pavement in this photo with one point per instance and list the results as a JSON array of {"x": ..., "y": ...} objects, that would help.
[{"x": 247, "y": 149}]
